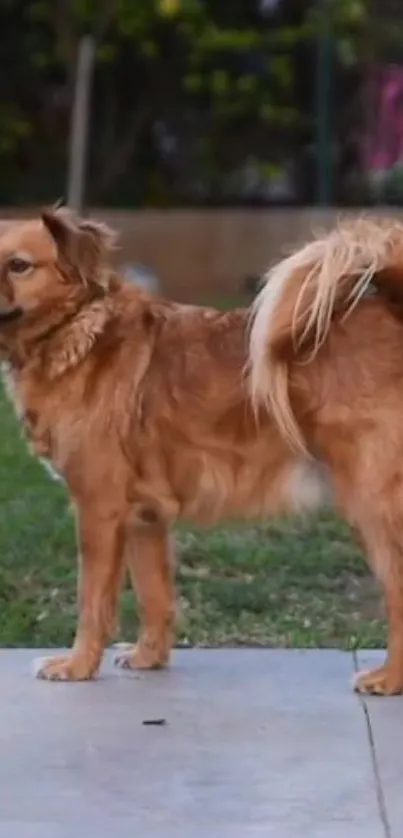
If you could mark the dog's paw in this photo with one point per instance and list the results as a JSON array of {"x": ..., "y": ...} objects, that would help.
[
  {"x": 142, "y": 656},
  {"x": 66, "y": 668},
  {"x": 381, "y": 681}
]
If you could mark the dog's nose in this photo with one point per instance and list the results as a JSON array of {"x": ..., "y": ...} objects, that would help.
[{"x": 8, "y": 311}]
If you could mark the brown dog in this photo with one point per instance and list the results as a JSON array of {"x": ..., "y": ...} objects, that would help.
[{"x": 153, "y": 411}]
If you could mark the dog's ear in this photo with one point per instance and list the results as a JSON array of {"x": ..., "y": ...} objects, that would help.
[{"x": 83, "y": 245}]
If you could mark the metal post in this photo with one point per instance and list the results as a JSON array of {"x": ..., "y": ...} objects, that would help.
[
  {"x": 324, "y": 144},
  {"x": 79, "y": 123}
]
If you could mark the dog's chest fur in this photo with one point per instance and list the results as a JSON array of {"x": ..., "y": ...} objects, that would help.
[{"x": 36, "y": 428}]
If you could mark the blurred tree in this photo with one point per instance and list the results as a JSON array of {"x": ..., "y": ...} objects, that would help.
[{"x": 194, "y": 100}]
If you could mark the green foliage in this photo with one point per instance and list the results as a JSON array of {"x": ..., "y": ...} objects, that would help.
[
  {"x": 208, "y": 67},
  {"x": 13, "y": 128}
]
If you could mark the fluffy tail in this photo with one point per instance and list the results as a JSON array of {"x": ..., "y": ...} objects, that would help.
[{"x": 292, "y": 315}]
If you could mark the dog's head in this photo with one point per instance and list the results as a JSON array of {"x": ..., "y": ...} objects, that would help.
[{"x": 52, "y": 262}]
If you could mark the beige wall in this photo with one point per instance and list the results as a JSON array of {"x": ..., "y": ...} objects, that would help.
[{"x": 203, "y": 254}]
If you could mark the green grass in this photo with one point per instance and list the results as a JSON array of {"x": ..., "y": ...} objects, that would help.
[{"x": 282, "y": 584}]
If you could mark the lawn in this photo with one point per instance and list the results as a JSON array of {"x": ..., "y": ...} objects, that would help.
[{"x": 293, "y": 583}]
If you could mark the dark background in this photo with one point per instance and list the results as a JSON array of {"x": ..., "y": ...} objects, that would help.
[{"x": 201, "y": 102}]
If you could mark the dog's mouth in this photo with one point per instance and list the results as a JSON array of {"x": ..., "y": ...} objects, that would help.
[{"x": 10, "y": 315}]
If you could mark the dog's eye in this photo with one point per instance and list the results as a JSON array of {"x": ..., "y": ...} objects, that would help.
[{"x": 19, "y": 266}]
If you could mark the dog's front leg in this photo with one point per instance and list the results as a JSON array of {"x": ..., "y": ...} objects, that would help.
[
  {"x": 101, "y": 535},
  {"x": 149, "y": 557}
]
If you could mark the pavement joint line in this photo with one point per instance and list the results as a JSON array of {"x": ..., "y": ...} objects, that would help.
[{"x": 383, "y": 812}]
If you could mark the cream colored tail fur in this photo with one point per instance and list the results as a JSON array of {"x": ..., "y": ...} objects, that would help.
[{"x": 292, "y": 315}]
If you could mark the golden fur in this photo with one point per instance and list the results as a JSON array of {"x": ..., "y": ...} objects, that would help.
[{"x": 153, "y": 411}]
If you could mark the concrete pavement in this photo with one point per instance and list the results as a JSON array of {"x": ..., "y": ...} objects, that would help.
[{"x": 256, "y": 744}]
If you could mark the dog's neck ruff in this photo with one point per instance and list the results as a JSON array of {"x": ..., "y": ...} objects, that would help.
[{"x": 64, "y": 344}]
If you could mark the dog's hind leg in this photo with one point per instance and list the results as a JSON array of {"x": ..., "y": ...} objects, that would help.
[
  {"x": 102, "y": 532},
  {"x": 372, "y": 497},
  {"x": 385, "y": 549},
  {"x": 149, "y": 557}
]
